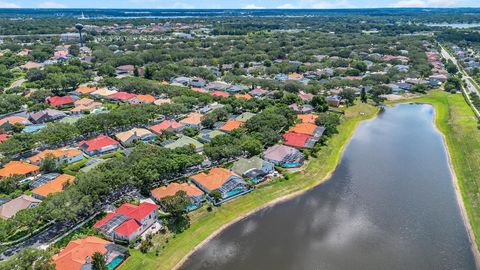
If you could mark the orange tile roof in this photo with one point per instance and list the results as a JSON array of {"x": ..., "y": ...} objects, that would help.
[
  {"x": 214, "y": 179},
  {"x": 231, "y": 125},
  {"x": 13, "y": 120},
  {"x": 54, "y": 186},
  {"x": 173, "y": 188},
  {"x": 57, "y": 153},
  {"x": 243, "y": 96},
  {"x": 304, "y": 128},
  {"x": 74, "y": 255},
  {"x": 308, "y": 118},
  {"x": 193, "y": 119},
  {"x": 86, "y": 89},
  {"x": 145, "y": 98},
  {"x": 17, "y": 167}
]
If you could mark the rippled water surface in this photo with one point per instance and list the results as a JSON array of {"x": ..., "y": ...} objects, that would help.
[{"x": 389, "y": 205}]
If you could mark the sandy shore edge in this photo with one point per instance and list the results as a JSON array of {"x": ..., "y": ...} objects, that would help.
[{"x": 273, "y": 202}]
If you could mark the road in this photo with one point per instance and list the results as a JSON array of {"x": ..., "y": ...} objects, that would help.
[{"x": 17, "y": 83}]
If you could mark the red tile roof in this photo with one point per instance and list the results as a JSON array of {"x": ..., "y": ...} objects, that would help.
[
  {"x": 296, "y": 139},
  {"x": 173, "y": 188},
  {"x": 60, "y": 101},
  {"x": 220, "y": 94},
  {"x": 199, "y": 90},
  {"x": 4, "y": 137},
  {"x": 128, "y": 227},
  {"x": 104, "y": 220},
  {"x": 122, "y": 96},
  {"x": 136, "y": 212},
  {"x": 165, "y": 125},
  {"x": 74, "y": 255},
  {"x": 98, "y": 143}
]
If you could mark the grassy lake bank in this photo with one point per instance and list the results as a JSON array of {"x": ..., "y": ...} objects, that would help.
[{"x": 206, "y": 224}]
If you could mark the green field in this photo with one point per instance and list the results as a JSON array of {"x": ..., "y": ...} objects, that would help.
[
  {"x": 457, "y": 122},
  {"x": 205, "y": 223}
]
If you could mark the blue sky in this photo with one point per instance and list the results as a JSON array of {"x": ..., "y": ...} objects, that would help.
[{"x": 319, "y": 4}]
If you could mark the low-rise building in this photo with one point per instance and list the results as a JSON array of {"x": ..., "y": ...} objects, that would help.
[
  {"x": 284, "y": 156},
  {"x": 19, "y": 168},
  {"x": 47, "y": 115},
  {"x": 12, "y": 207},
  {"x": 167, "y": 125},
  {"x": 99, "y": 146},
  {"x": 129, "y": 137},
  {"x": 64, "y": 155},
  {"x": 184, "y": 141},
  {"x": 128, "y": 221},
  {"x": 253, "y": 168},
  {"x": 55, "y": 185},
  {"x": 193, "y": 120},
  {"x": 196, "y": 195}
]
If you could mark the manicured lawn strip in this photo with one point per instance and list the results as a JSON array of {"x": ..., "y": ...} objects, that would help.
[
  {"x": 457, "y": 122},
  {"x": 205, "y": 223}
]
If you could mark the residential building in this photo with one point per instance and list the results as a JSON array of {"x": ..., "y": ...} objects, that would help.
[
  {"x": 169, "y": 125},
  {"x": 196, "y": 195},
  {"x": 86, "y": 105},
  {"x": 61, "y": 101},
  {"x": 333, "y": 101},
  {"x": 121, "y": 96},
  {"x": 193, "y": 120},
  {"x": 77, "y": 255},
  {"x": 243, "y": 96},
  {"x": 184, "y": 141},
  {"x": 125, "y": 70},
  {"x": 19, "y": 168},
  {"x": 7, "y": 122},
  {"x": 307, "y": 118},
  {"x": 244, "y": 117},
  {"x": 103, "y": 93},
  {"x": 308, "y": 129},
  {"x": 64, "y": 155},
  {"x": 206, "y": 135},
  {"x": 299, "y": 140},
  {"x": 284, "y": 156},
  {"x": 231, "y": 125},
  {"x": 47, "y": 115},
  {"x": 129, "y": 137},
  {"x": 253, "y": 168},
  {"x": 226, "y": 182},
  {"x": 54, "y": 186},
  {"x": 302, "y": 109},
  {"x": 12, "y": 207},
  {"x": 128, "y": 221},
  {"x": 99, "y": 146},
  {"x": 142, "y": 99}
]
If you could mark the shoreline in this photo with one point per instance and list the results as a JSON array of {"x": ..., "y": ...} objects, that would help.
[
  {"x": 458, "y": 194},
  {"x": 287, "y": 197}
]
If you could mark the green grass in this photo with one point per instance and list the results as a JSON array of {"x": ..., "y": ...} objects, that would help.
[
  {"x": 456, "y": 120},
  {"x": 204, "y": 223}
]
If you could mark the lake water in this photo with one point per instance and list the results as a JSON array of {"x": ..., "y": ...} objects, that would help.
[
  {"x": 389, "y": 205},
  {"x": 454, "y": 25}
]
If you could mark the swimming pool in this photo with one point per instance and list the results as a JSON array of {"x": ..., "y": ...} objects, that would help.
[{"x": 115, "y": 262}]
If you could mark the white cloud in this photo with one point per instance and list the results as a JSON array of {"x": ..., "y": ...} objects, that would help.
[
  {"x": 50, "y": 4},
  {"x": 318, "y": 4},
  {"x": 252, "y": 6},
  {"x": 8, "y": 5},
  {"x": 286, "y": 6},
  {"x": 410, "y": 3},
  {"x": 430, "y": 3}
]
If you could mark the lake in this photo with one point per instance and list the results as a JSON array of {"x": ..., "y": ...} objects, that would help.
[{"x": 390, "y": 204}]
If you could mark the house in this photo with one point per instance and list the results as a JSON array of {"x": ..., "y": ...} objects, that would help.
[
  {"x": 199, "y": 90},
  {"x": 206, "y": 136},
  {"x": 33, "y": 128},
  {"x": 295, "y": 76},
  {"x": 333, "y": 101},
  {"x": 86, "y": 105},
  {"x": 4, "y": 137},
  {"x": 237, "y": 88},
  {"x": 103, "y": 93},
  {"x": 211, "y": 107},
  {"x": 64, "y": 155},
  {"x": 161, "y": 101},
  {"x": 61, "y": 101},
  {"x": 183, "y": 81},
  {"x": 307, "y": 118},
  {"x": 301, "y": 109},
  {"x": 197, "y": 82},
  {"x": 253, "y": 168},
  {"x": 184, "y": 141},
  {"x": 284, "y": 156},
  {"x": 47, "y": 115},
  {"x": 12, "y": 207},
  {"x": 226, "y": 182},
  {"x": 243, "y": 96},
  {"x": 218, "y": 93},
  {"x": 128, "y": 221},
  {"x": 129, "y": 137},
  {"x": 121, "y": 96},
  {"x": 54, "y": 186},
  {"x": 221, "y": 86},
  {"x": 299, "y": 140},
  {"x": 231, "y": 125},
  {"x": 192, "y": 120},
  {"x": 31, "y": 65},
  {"x": 308, "y": 129},
  {"x": 125, "y": 70},
  {"x": 99, "y": 146},
  {"x": 244, "y": 117},
  {"x": 19, "y": 168},
  {"x": 7, "y": 122},
  {"x": 142, "y": 99},
  {"x": 258, "y": 92},
  {"x": 77, "y": 255},
  {"x": 196, "y": 195},
  {"x": 305, "y": 96},
  {"x": 169, "y": 125},
  {"x": 85, "y": 90}
]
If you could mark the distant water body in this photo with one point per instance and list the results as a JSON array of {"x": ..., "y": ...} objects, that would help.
[
  {"x": 390, "y": 204},
  {"x": 455, "y": 25}
]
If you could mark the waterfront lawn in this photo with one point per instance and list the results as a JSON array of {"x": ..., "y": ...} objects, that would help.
[
  {"x": 204, "y": 223},
  {"x": 458, "y": 123}
]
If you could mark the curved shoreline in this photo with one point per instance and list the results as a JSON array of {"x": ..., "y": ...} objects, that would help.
[{"x": 287, "y": 197}]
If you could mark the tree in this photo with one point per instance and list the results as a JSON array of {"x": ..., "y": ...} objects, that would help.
[
  {"x": 98, "y": 262},
  {"x": 29, "y": 258},
  {"x": 318, "y": 102},
  {"x": 216, "y": 195},
  {"x": 348, "y": 95},
  {"x": 176, "y": 205},
  {"x": 252, "y": 146},
  {"x": 363, "y": 95},
  {"x": 330, "y": 121},
  {"x": 451, "y": 67}
]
